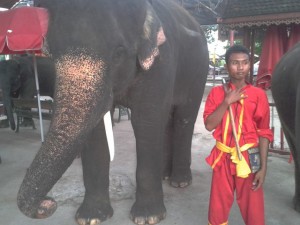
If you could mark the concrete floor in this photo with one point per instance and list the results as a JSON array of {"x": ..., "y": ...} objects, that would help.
[{"x": 186, "y": 206}]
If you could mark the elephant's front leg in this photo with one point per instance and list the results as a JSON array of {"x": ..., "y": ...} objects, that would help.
[
  {"x": 149, "y": 206},
  {"x": 96, "y": 206}
]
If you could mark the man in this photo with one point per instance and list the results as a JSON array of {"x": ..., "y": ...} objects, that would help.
[{"x": 246, "y": 136}]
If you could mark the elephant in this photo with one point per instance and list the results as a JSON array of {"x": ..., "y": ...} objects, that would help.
[
  {"x": 4, "y": 122},
  {"x": 17, "y": 79},
  {"x": 149, "y": 56},
  {"x": 286, "y": 93}
]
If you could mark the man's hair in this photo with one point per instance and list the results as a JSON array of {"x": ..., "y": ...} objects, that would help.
[{"x": 236, "y": 49}]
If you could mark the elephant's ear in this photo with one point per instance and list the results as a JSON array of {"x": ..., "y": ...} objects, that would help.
[{"x": 152, "y": 37}]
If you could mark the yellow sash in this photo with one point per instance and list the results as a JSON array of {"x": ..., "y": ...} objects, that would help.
[{"x": 242, "y": 167}]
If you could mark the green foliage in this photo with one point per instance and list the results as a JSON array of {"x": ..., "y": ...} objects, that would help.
[
  {"x": 209, "y": 31},
  {"x": 258, "y": 47}
]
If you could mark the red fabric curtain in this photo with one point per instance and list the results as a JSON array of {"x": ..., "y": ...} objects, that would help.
[
  {"x": 23, "y": 29},
  {"x": 278, "y": 40},
  {"x": 272, "y": 50}
]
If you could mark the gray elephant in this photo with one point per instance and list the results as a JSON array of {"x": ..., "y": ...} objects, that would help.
[
  {"x": 286, "y": 93},
  {"x": 150, "y": 56},
  {"x": 17, "y": 79},
  {"x": 4, "y": 122}
]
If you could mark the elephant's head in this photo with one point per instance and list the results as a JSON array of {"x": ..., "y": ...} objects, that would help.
[
  {"x": 10, "y": 83},
  {"x": 97, "y": 56},
  {"x": 100, "y": 49}
]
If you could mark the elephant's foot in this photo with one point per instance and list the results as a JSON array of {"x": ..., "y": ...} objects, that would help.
[
  {"x": 181, "y": 180},
  {"x": 142, "y": 215},
  {"x": 89, "y": 214},
  {"x": 46, "y": 208},
  {"x": 296, "y": 202}
]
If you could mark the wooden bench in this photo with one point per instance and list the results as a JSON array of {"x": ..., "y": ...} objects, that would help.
[{"x": 29, "y": 108}]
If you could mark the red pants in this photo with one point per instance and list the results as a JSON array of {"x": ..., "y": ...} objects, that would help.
[{"x": 224, "y": 183}]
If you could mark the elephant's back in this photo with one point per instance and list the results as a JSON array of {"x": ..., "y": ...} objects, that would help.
[
  {"x": 189, "y": 49},
  {"x": 173, "y": 15},
  {"x": 286, "y": 72},
  {"x": 286, "y": 84}
]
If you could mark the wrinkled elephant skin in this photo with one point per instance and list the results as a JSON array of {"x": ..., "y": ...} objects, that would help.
[
  {"x": 17, "y": 79},
  {"x": 150, "y": 56},
  {"x": 286, "y": 93}
]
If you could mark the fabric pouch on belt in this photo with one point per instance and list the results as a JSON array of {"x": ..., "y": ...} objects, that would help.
[{"x": 254, "y": 159}]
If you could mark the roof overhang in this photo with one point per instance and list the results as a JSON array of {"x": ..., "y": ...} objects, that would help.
[{"x": 260, "y": 20}]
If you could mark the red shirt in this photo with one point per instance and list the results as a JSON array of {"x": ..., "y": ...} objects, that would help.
[{"x": 254, "y": 122}]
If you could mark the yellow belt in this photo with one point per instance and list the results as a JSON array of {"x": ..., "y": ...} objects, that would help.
[{"x": 242, "y": 167}]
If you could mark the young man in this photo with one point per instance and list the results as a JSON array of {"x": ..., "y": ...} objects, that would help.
[{"x": 237, "y": 142}]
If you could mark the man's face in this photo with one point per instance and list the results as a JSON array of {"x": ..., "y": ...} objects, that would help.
[{"x": 238, "y": 66}]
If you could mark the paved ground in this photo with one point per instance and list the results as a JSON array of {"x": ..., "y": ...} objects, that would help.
[{"x": 184, "y": 206}]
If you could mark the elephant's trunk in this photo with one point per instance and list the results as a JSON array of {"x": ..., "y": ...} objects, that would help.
[{"x": 82, "y": 97}]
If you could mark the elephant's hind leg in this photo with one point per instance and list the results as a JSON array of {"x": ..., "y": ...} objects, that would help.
[
  {"x": 167, "y": 149},
  {"x": 96, "y": 206},
  {"x": 183, "y": 128},
  {"x": 296, "y": 152},
  {"x": 291, "y": 139}
]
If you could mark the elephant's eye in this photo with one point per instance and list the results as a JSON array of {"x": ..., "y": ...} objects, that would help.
[{"x": 118, "y": 54}]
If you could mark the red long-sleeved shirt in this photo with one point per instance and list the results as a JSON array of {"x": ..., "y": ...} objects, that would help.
[{"x": 255, "y": 121}]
